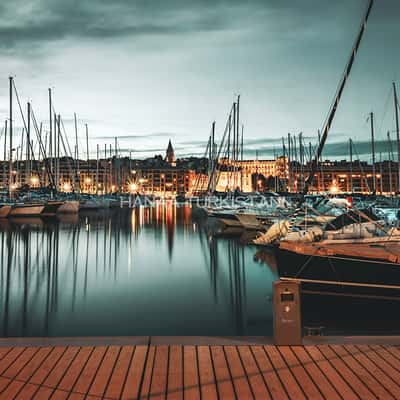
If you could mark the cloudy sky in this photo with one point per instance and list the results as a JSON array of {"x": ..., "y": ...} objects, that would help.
[{"x": 149, "y": 70}]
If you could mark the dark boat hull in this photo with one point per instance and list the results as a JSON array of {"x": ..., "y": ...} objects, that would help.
[{"x": 340, "y": 275}]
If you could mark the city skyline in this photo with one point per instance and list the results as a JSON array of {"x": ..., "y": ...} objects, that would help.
[{"x": 154, "y": 71}]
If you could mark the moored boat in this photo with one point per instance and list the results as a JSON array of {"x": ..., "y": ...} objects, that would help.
[
  {"x": 69, "y": 207},
  {"x": 5, "y": 210},
  {"x": 27, "y": 210}
]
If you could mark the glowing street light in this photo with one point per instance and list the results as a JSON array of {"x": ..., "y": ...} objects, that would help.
[
  {"x": 132, "y": 187},
  {"x": 66, "y": 186}
]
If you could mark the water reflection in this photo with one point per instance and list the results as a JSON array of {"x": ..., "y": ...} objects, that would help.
[{"x": 147, "y": 271}]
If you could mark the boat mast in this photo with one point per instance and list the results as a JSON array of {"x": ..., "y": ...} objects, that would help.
[
  {"x": 97, "y": 170},
  {"x": 338, "y": 95},
  {"x": 87, "y": 156},
  {"x": 10, "y": 167},
  {"x": 373, "y": 152},
  {"x": 28, "y": 142},
  {"x": 78, "y": 174},
  {"x": 351, "y": 164},
  {"x": 396, "y": 113},
  {"x": 289, "y": 166},
  {"x": 51, "y": 132},
  {"x": 390, "y": 163},
  {"x": 5, "y": 154}
]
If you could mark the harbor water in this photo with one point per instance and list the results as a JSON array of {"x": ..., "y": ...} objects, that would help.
[{"x": 142, "y": 271}]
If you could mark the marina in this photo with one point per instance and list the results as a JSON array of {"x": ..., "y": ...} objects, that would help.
[{"x": 175, "y": 220}]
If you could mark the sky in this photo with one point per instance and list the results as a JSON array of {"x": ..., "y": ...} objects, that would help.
[{"x": 147, "y": 71}]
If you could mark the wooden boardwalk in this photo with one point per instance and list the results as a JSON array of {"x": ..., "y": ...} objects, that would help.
[{"x": 327, "y": 371}]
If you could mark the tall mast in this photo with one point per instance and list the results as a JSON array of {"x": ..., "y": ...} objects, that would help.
[
  {"x": 241, "y": 159},
  {"x": 5, "y": 155},
  {"x": 87, "y": 154},
  {"x": 289, "y": 166},
  {"x": 58, "y": 152},
  {"x": 28, "y": 143},
  {"x": 50, "y": 155},
  {"x": 78, "y": 174},
  {"x": 338, "y": 95},
  {"x": 105, "y": 180},
  {"x": 390, "y": 163},
  {"x": 373, "y": 152},
  {"x": 10, "y": 183},
  {"x": 97, "y": 169},
  {"x": 396, "y": 113},
  {"x": 351, "y": 164}
]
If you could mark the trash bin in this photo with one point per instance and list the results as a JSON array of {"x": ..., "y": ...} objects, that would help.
[{"x": 287, "y": 313}]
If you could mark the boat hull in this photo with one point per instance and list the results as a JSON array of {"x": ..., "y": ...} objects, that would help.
[
  {"x": 27, "y": 210},
  {"x": 50, "y": 208},
  {"x": 340, "y": 274},
  {"x": 69, "y": 207},
  {"x": 5, "y": 210}
]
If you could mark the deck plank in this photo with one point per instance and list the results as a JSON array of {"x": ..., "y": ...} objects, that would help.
[
  {"x": 309, "y": 387},
  {"x": 116, "y": 383},
  {"x": 144, "y": 392},
  {"x": 158, "y": 386},
  {"x": 10, "y": 358},
  {"x": 324, "y": 385},
  {"x": 4, "y": 351},
  {"x": 222, "y": 375},
  {"x": 363, "y": 373},
  {"x": 193, "y": 372},
  {"x": 175, "y": 373},
  {"x": 271, "y": 378},
  {"x": 255, "y": 378},
  {"x": 347, "y": 373},
  {"x": 239, "y": 378},
  {"x": 292, "y": 387},
  {"x": 85, "y": 379},
  {"x": 332, "y": 374},
  {"x": 103, "y": 374},
  {"x": 208, "y": 386},
  {"x": 135, "y": 373},
  {"x": 385, "y": 374}
]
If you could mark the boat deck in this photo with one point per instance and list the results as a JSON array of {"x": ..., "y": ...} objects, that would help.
[
  {"x": 219, "y": 371},
  {"x": 389, "y": 251}
]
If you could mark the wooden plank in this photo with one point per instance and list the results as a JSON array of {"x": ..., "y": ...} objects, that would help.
[
  {"x": 271, "y": 378},
  {"x": 147, "y": 373},
  {"x": 116, "y": 383},
  {"x": 190, "y": 374},
  {"x": 315, "y": 373},
  {"x": 332, "y": 374},
  {"x": 4, "y": 382},
  {"x": 12, "y": 389},
  {"x": 253, "y": 373},
  {"x": 158, "y": 387},
  {"x": 239, "y": 378},
  {"x": 348, "y": 375},
  {"x": 10, "y": 358},
  {"x": 44, "y": 393},
  {"x": 62, "y": 365},
  {"x": 206, "y": 373},
  {"x": 88, "y": 373},
  {"x": 20, "y": 362},
  {"x": 45, "y": 369},
  {"x": 4, "y": 351},
  {"x": 28, "y": 391},
  {"x": 389, "y": 352},
  {"x": 377, "y": 369},
  {"x": 287, "y": 378},
  {"x": 222, "y": 375},
  {"x": 362, "y": 372},
  {"x": 104, "y": 372},
  {"x": 135, "y": 373},
  {"x": 72, "y": 373},
  {"x": 175, "y": 373},
  {"x": 32, "y": 366},
  {"x": 308, "y": 386},
  {"x": 381, "y": 360}
]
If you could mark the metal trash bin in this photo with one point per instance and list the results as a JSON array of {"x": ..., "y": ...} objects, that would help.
[{"x": 287, "y": 313}]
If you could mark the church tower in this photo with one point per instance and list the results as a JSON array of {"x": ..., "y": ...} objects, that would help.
[{"x": 170, "y": 155}]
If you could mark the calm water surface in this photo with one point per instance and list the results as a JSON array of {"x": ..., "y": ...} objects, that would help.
[{"x": 147, "y": 271}]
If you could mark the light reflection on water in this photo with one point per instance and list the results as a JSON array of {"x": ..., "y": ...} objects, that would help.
[{"x": 147, "y": 271}]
